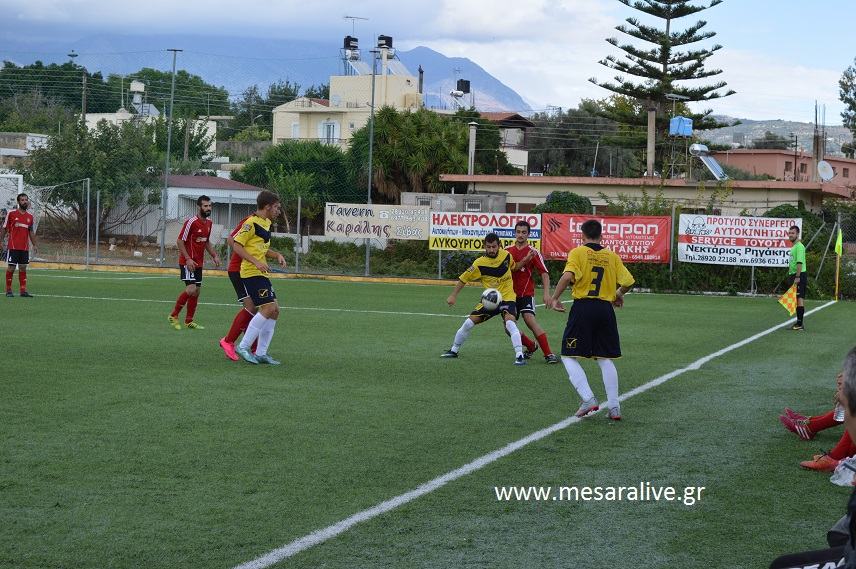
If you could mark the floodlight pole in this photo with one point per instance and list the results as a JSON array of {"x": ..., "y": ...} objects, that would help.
[
  {"x": 374, "y": 53},
  {"x": 166, "y": 166}
]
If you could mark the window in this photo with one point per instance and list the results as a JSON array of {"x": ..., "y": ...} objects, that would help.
[
  {"x": 472, "y": 205},
  {"x": 295, "y": 130},
  {"x": 803, "y": 168},
  {"x": 846, "y": 172},
  {"x": 328, "y": 132},
  {"x": 351, "y": 126},
  {"x": 788, "y": 165},
  {"x": 423, "y": 201}
]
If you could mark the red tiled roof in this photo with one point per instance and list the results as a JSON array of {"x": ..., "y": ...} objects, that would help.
[
  {"x": 322, "y": 102},
  {"x": 209, "y": 183},
  {"x": 507, "y": 117}
]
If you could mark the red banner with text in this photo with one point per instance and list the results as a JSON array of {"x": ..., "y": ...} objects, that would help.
[{"x": 636, "y": 239}]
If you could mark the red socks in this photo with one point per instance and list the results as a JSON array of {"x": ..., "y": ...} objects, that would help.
[
  {"x": 527, "y": 343},
  {"x": 821, "y": 422},
  {"x": 22, "y": 280},
  {"x": 191, "y": 308},
  {"x": 545, "y": 346},
  {"x": 239, "y": 324},
  {"x": 844, "y": 448},
  {"x": 9, "y": 280},
  {"x": 179, "y": 304}
]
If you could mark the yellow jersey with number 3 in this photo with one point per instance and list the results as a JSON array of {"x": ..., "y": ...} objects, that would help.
[{"x": 597, "y": 272}]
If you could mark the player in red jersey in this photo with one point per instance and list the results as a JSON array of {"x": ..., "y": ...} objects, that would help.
[
  {"x": 528, "y": 260},
  {"x": 21, "y": 230},
  {"x": 243, "y": 317},
  {"x": 193, "y": 240}
]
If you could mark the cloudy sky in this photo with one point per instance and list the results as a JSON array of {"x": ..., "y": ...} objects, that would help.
[{"x": 779, "y": 55}]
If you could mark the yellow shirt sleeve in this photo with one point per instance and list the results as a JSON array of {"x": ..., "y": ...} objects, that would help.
[
  {"x": 471, "y": 275},
  {"x": 574, "y": 264},
  {"x": 623, "y": 276},
  {"x": 248, "y": 230}
]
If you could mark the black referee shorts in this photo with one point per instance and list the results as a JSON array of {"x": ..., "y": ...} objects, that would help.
[{"x": 800, "y": 287}]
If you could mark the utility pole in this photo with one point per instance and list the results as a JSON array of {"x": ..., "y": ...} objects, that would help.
[
  {"x": 166, "y": 166},
  {"x": 652, "y": 130},
  {"x": 374, "y": 53},
  {"x": 795, "y": 155}
]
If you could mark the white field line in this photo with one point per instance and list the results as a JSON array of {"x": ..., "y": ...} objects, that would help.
[
  {"x": 104, "y": 278},
  {"x": 329, "y": 532},
  {"x": 236, "y": 305}
]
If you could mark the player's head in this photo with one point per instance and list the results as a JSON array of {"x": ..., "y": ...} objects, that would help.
[
  {"x": 491, "y": 245},
  {"x": 794, "y": 233},
  {"x": 521, "y": 231},
  {"x": 591, "y": 230},
  {"x": 205, "y": 206},
  {"x": 268, "y": 204},
  {"x": 848, "y": 391},
  {"x": 23, "y": 201}
]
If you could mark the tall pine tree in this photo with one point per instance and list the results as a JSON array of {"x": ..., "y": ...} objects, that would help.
[{"x": 665, "y": 63}]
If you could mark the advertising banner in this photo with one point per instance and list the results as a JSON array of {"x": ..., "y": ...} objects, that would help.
[
  {"x": 465, "y": 231},
  {"x": 376, "y": 221},
  {"x": 636, "y": 239},
  {"x": 735, "y": 240}
]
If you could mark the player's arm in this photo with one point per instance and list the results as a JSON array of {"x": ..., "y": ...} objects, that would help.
[
  {"x": 453, "y": 298},
  {"x": 271, "y": 254},
  {"x": 182, "y": 248},
  {"x": 548, "y": 300},
  {"x": 32, "y": 234},
  {"x": 567, "y": 278},
  {"x": 245, "y": 255},
  {"x": 625, "y": 283},
  {"x": 213, "y": 252}
]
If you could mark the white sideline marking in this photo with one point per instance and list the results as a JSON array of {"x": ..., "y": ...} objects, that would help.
[
  {"x": 104, "y": 278},
  {"x": 329, "y": 532},
  {"x": 237, "y": 305}
]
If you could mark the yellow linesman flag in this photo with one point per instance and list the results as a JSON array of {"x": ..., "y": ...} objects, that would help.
[
  {"x": 789, "y": 300},
  {"x": 838, "y": 243}
]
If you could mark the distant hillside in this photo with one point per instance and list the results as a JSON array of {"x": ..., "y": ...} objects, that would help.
[
  {"x": 749, "y": 129},
  {"x": 238, "y": 63}
]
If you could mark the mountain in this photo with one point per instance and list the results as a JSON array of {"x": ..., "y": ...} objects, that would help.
[
  {"x": 238, "y": 63},
  {"x": 749, "y": 129}
]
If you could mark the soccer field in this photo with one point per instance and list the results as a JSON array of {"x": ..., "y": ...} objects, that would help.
[{"x": 125, "y": 443}]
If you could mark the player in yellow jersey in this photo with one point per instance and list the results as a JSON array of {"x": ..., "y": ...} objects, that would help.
[
  {"x": 600, "y": 282},
  {"x": 493, "y": 270},
  {"x": 252, "y": 244}
]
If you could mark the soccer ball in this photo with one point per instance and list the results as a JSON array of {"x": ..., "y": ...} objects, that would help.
[{"x": 491, "y": 298}]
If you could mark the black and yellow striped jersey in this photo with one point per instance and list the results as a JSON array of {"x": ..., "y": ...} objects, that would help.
[{"x": 493, "y": 272}]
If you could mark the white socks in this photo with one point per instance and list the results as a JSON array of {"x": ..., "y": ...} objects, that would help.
[
  {"x": 462, "y": 334},
  {"x": 254, "y": 330},
  {"x": 514, "y": 332},
  {"x": 610, "y": 382},
  {"x": 265, "y": 336},
  {"x": 578, "y": 378}
]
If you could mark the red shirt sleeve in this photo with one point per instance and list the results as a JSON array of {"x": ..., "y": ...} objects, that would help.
[{"x": 538, "y": 261}]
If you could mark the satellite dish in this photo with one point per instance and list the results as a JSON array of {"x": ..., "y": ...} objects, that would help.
[{"x": 825, "y": 171}]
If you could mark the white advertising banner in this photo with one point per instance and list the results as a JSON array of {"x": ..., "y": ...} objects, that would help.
[
  {"x": 735, "y": 240},
  {"x": 465, "y": 231},
  {"x": 376, "y": 221}
]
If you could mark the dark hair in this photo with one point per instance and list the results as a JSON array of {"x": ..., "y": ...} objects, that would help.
[
  {"x": 591, "y": 229},
  {"x": 266, "y": 198},
  {"x": 19, "y": 196},
  {"x": 201, "y": 199},
  {"x": 491, "y": 238},
  {"x": 523, "y": 223},
  {"x": 795, "y": 227}
]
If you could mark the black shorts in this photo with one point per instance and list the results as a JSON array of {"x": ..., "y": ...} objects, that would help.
[
  {"x": 238, "y": 284},
  {"x": 259, "y": 289},
  {"x": 190, "y": 277},
  {"x": 800, "y": 287},
  {"x": 18, "y": 257},
  {"x": 525, "y": 304},
  {"x": 480, "y": 310},
  {"x": 592, "y": 331}
]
